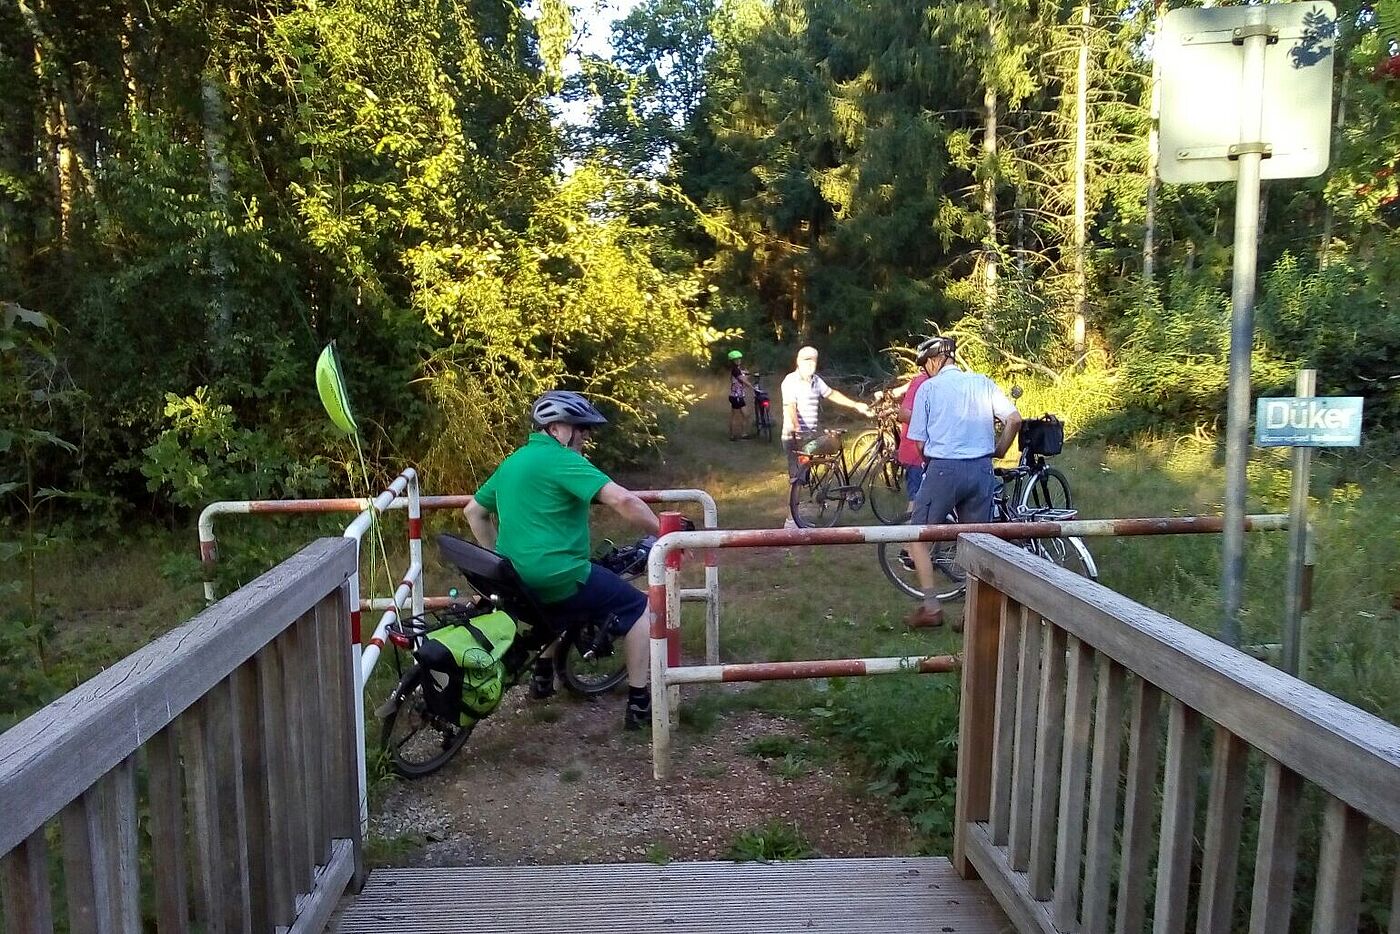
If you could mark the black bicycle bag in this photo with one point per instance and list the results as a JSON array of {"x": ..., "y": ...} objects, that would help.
[{"x": 1044, "y": 436}]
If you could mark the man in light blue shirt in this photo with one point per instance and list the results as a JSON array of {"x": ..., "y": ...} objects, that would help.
[{"x": 954, "y": 419}]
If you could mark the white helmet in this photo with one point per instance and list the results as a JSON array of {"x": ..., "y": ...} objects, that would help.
[{"x": 568, "y": 408}]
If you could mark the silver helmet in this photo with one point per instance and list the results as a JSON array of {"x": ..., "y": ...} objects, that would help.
[{"x": 568, "y": 408}]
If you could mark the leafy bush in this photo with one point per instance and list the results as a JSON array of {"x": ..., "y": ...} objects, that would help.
[
  {"x": 774, "y": 841},
  {"x": 913, "y": 759}
]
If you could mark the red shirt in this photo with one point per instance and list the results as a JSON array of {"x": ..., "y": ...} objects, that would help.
[{"x": 911, "y": 453}]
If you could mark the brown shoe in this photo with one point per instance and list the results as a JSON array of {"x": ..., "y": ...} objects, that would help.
[{"x": 924, "y": 618}]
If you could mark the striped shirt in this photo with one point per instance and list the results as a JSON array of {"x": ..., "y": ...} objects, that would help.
[{"x": 806, "y": 395}]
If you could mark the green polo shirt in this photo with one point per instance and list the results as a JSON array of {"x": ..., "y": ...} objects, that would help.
[{"x": 541, "y": 495}]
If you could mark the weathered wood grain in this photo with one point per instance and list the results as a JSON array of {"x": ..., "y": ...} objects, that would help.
[
  {"x": 1138, "y": 826},
  {"x": 1276, "y": 857},
  {"x": 167, "y": 804},
  {"x": 24, "y": 887},
  {"x": 52, "y": 757},
  {"x": 1074, "y": 775},
  {"x": 1178, "y": 818},
  {"x": 1340, "y": 863},
  {"x": 1049, "y": 746},
  {"x": 1224, "y": 817},
  {"x": 1023, "y": 759},
  {"x": 1350, "y": 753},
  {"x": 1103, "y": 796},
  {"x": 1003, "y": 746},
  {"x": 978, "y": 715}
]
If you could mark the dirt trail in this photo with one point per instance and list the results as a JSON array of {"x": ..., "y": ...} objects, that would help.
[{"x": 560, "y": 782}]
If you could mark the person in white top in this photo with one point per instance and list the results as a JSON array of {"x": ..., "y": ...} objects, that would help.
[
  {"x": 802, "y": 392},
  {"x": 954, "y": 420}
]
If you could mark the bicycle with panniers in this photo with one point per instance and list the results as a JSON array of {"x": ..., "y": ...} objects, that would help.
[
  {"x": 454, "y": 665},
  {"x": 1032, "y": 491}
]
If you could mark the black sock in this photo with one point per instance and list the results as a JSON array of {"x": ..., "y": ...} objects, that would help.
[{"x": 638, "y": 697}]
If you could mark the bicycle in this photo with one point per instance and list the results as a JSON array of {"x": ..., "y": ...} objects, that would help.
[
  {"x": 438, "y": 699},
  {"x": 1032, "y": 491},
  {"x": 762, "y": 416},
  {"x": 827, "y": 482}
]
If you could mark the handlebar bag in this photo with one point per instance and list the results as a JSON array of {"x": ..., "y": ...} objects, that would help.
[{"x": 1044, "y": 435}]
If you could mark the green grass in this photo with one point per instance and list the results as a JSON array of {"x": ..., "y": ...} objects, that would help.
[{"x": 773, "y": 842}]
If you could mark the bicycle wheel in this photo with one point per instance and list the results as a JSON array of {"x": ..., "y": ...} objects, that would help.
[
  {"x": 898, "y": 566},
  {"x": 417, "y": 742},
  {"x": 880, "y": 476},
  {"x": 589, "y": 677},
  {"x": 816, "y": 501},
  {"x": 1045, "y": 489},
  {"x": 1068, "y": 552},
  {"x": 763, "y": 423}
]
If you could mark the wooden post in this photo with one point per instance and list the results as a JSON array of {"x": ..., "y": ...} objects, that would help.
[{"x": 977, "y": 722}]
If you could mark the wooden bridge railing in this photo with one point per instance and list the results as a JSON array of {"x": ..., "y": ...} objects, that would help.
[
  {"x": 1060, "y": 674},
  {"x": 218, "y": 761}
]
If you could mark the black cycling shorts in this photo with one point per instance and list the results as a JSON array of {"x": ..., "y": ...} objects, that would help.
[{"x": 736, "y": 402}]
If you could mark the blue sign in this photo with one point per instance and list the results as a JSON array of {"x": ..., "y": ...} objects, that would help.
[{"x": 1320, "y": 422}]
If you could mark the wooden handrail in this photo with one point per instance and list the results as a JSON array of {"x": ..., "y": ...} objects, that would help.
[
  {"x": 1351, "y": 753},
  {"x": 1059, "y": 674},
  {"x": 242, "y": 723}
]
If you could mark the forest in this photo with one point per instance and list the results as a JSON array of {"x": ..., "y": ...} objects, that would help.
[{"x": 196, "y": 195}]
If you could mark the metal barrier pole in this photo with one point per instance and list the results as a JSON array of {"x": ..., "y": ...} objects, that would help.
[
  {"x": 415, "y": 544},
  {"x": 355, "y": 531},
  {"x": 660, "y": 703},
  {"x": 671, "y": 522},
  {"x": 659, "y": 576}
]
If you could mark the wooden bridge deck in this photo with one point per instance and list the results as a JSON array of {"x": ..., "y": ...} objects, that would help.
[{"x": 846, "y": 895}]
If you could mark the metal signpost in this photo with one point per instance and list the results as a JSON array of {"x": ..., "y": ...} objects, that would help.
[
  {"x": 1303, "y": 423},
  {"x": 1246, "y": 95}
]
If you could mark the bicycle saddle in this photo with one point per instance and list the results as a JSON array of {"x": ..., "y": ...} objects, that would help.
[{"x": 492, "y": 576}]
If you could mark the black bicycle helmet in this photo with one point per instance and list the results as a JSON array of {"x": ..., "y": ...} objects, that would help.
[
  {"x": 569, "y": 408},
  {"x": 935, "y": 347}
]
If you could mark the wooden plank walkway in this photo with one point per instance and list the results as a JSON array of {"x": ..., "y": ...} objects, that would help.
[{"x": 848, "y": 895}]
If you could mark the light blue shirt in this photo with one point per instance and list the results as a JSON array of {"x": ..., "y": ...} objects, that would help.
[{"x": 953, "y": 415}]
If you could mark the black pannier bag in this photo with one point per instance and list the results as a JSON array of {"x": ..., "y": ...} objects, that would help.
[
  {"x": 1044, "y": 436},
  {"x": 442, "y": 688}
]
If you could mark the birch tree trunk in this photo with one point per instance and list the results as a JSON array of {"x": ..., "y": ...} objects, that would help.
[
  {"x": 216, "y": 153},
  {"x": 989, "y": 158},
  {"x": 1324, "y": 250},
  {"x": 1149, "y": 233},
  {"x": 1081, "y": 194}
]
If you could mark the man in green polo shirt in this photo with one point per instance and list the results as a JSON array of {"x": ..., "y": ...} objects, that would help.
[{"x": 534, "y": 510}]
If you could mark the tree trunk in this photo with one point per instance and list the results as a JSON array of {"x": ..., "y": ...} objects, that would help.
[
  {"x": 128, "y": 43},
  {"x": 989, "y": 158},
  {"x": 68, "y": 169},
  {"x": 1149, "y": 233},
  {"x": 215, "y": 151},
  {"x": 1324, "y": 250},
  {"x": 1081, "y": 162}
]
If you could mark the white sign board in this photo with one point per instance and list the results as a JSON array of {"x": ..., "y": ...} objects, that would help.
[{"x": 1201, "y": 56}]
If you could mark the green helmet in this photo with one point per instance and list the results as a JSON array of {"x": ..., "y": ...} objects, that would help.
[{"x": 736, "y": 355}]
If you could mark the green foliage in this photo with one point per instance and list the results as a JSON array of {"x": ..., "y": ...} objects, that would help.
[
  {"x": 773, "y": 842},
  {"x": 907, "y": 733},
  {"x": 204, "y": 456}
]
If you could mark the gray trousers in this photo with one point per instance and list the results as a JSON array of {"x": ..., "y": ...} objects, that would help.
[{"x": 949, "y": 486}]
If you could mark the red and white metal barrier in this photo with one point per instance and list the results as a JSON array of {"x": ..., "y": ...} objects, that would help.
[
  {"x": 209, "y": 544},
  {"x": 411, "y": 585},
  {"x": 663, "y": 569}
]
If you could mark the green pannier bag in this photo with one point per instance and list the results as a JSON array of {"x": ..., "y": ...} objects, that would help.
[{"x": 476, "y": 648}]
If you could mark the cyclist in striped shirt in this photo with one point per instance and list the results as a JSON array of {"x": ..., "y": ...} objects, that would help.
[{"x": 802, "y": 392}]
